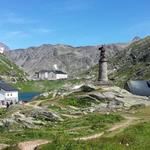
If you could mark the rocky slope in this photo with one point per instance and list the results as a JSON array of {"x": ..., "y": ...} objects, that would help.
[
  {"x": 85, "y": 99},
  {"x": 133, "y": 62},
  {"x": 67, "y": 58},
  {"x": 10, "y": 71},
  {"x": 129, "y": 64}
]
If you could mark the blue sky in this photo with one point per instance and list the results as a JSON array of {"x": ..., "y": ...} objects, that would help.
[{"x": 25, "y": 23}]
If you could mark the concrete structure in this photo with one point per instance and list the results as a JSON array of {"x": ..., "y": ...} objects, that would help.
[
  {"x": 103, "y": 74},
  {"x": 51, "y": 75},
  {"x": 8, "y": 95}
]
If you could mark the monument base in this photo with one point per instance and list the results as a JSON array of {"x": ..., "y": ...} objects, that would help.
[{"x": 103, "y": 83}]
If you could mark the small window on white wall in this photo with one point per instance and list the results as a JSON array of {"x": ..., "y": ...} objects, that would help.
[{"x": 7, "y": 94}]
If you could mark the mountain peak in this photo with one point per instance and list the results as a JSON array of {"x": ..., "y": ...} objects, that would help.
[
  {"x": 136, "y": 38},
  {"x": 4, "y": 47}
]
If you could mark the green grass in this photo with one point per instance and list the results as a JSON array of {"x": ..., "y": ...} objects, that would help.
[
  {"x": 136, "y": 137},
  {"x": 39, "y": 86},
  {"x": 77, "y": 102},
  {"x": 2, "y": 111},
  {"x": 90, "y": 124},
  {"x": 43, "y": 85}
]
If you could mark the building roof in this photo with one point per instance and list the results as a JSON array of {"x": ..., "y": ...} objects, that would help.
[
  {"x": 139, "y": 87},
  {"x": 59, "y": 72},
  {"x": 54, "y": 71},
  {"x": 6, "y": 87}
]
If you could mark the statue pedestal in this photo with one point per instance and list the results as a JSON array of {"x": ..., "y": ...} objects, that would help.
[{"x": 103, "y": 83}]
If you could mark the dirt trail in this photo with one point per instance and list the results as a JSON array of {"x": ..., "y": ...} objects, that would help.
[
  {"x": 120, "y": 126},
  {"x": 36, "y": 104},
  {"x": 90, "y": 137},
  {"x": 123, "y": 125},
  {"x": 31, "y": 145},
  {"x": 111, "y": 131},
  {"x": 70, "y": 116}
]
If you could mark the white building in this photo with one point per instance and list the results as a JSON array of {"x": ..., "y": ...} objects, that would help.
[
  {"x": 8, "y": 95},
  {"x": 51, "y": 75},
  {"x": 1, "y": 50}
]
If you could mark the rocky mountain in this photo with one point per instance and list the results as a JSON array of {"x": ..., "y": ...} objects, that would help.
[
  {"x": 66, "y": 58},
  {"x": 129, "y": 64},
  {"x": 133, "y": 62}
]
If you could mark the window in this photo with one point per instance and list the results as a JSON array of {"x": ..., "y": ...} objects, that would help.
[{"x": 8, "y": 94}]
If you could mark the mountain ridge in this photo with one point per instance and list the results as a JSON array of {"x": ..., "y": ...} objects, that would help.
[{"x": 68, "y": 58}]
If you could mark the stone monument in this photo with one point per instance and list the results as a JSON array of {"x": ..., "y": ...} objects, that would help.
[{"x": 103, "y": 76}]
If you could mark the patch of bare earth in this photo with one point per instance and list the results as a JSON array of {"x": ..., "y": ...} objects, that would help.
[
  {"x": 90, "y": 137},
  {"x": 31, "y": 145}
]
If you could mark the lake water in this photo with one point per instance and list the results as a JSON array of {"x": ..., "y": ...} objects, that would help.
[{"x": 27, "y": 96}]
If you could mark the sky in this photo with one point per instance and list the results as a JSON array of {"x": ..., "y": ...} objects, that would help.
[{"x": 25, "y": 23}]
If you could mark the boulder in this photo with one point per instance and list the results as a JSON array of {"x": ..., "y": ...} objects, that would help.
[
  {"x": 115, "y": 104},
  {"x": 87, "y": 88},
  {"x": 109, "y": 95},
  {"x": 46, "y": 115},
  {"x": 97, "y": 95}
]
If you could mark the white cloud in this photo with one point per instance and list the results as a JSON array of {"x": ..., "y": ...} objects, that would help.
[{"x": 43, "y": 30}]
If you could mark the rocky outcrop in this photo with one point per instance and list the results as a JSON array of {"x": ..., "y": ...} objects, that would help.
[{"x": 34, "y": 118}]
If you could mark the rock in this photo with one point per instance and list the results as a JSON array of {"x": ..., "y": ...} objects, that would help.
[
  {"x": 87, "y": 88},
  {"x": 30, "y": 122},
  {"x": 102, "y": 107},
  {"x": 109, "y": 95},
  {"x": 76, "y": 87},
  {"x": 46, "y": 115},
  {"x": 99, "y": 96},
  {"x": 8, "y": 122},
  {"x": 137, "y": 106},
  {"x": 115, "y": 104}
]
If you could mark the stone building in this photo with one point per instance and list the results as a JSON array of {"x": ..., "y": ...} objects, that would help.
[{"x": 51, "y": 75}]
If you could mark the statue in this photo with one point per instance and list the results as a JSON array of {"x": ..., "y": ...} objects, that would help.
[{"x": 103, "y": 77}]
